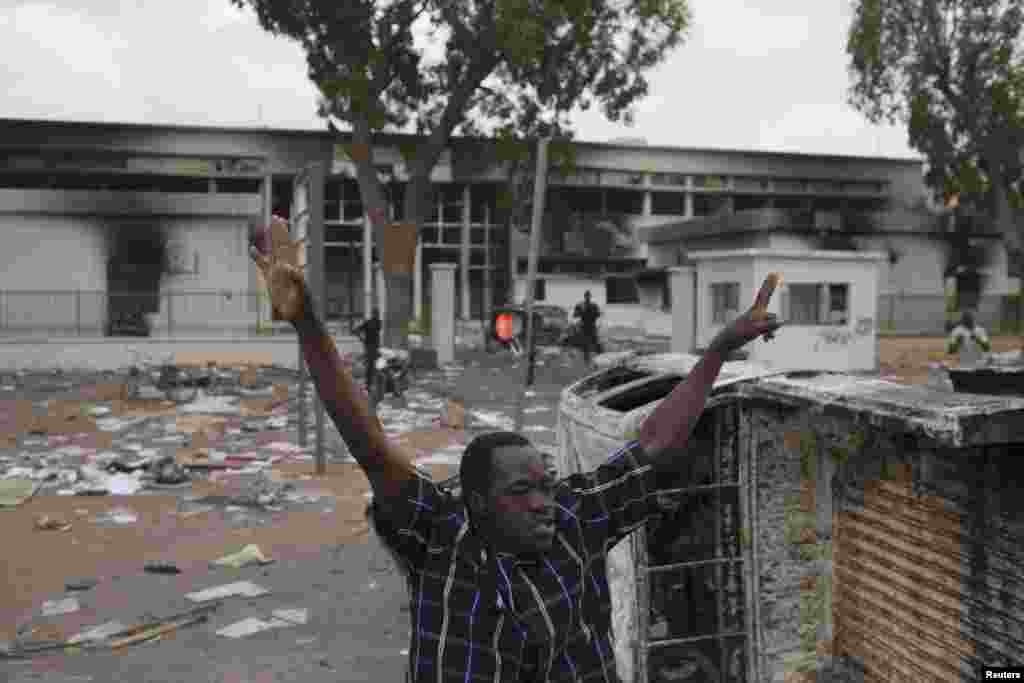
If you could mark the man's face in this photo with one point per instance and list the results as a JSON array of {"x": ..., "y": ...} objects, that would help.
[
  {"x": 522, "y": 501},
  {"x": 586, "y": 297}
]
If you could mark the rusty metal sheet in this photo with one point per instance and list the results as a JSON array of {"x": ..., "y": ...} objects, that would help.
[{"x": 898, "y": 595}]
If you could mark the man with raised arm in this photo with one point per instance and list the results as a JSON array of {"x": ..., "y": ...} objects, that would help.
[{"x": 507, "y": 583}]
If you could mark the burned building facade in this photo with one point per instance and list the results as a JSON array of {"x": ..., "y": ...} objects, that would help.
[{"x": 67, "y": 187}]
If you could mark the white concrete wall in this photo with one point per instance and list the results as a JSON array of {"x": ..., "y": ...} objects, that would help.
[
  {"x": 213, "y": 296},
  {"x": 44, "y": 260},
  {"x": 564, "y": 290},
  {"x": 815, "y": 347}
]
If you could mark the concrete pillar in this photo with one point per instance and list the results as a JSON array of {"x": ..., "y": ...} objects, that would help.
[
  {"x": 417, "y": 283},
  {"x": 688, "y": 199},
  {"x": 442, "y": 311},
  {"x": 683, "y": 280},
  {"x": 464, "y": 252},
  {"x": 647, "y": 203}
]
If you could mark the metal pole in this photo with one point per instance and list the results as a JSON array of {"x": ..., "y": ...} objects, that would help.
[
  {"x": 318, "y": 280},
  {"x": 78, "y": 312},
  {"x": 299, "y": 214},
  {"x": 539, "y": 188}
]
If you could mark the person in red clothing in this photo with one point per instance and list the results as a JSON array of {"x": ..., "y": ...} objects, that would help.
[{"x": 507, "y": 582}]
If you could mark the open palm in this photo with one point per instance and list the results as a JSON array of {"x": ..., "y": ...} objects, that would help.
[{"x": 277, "y": 257}]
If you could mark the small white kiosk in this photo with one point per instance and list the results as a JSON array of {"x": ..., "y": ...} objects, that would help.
[{"x": 828, "y": 300}]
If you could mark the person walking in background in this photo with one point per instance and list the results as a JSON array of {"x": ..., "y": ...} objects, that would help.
[
  {"x": 588, "y": 313},
  {"x": 369, "y": 333},
  {"x": 970, "y": 340}
]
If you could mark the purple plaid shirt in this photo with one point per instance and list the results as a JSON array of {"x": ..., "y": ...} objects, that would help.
[{"x": 481, "y": 616}]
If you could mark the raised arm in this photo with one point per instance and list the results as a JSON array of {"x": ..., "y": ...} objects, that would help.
[
  {"x": 386, "y": 466},
  {"x": 668, "y": 428}
]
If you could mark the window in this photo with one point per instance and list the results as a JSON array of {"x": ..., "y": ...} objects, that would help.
[
  {"x": 725, "y": 302},
  {"x": 621, "y": 290},
  {"x": 668, "y": 204},
  {"x": 818, "y": 304},
  {"x": 622, "y": 178},
  {"x": 625, "y": 201},
  {"x": 710, "y": 182},
  {"x": 539, "y": 289},
  {"x": 673, "y": 179}
]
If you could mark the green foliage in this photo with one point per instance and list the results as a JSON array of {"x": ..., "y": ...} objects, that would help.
[
  {"x": 950, "y": 70},
  {"x": 513, "y": 69},
  {"x": 796, "y": 521}
]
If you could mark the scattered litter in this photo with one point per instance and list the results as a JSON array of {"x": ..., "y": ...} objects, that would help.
[
  {"x": 98, "y": 633},
  {"x": 536, "y": 409},
  {"x": 248, "y": 555},
  {"x": 161, "y": 568},
  {"x": 536, "y": 428},
  {"x": 14, "y": 492},
  {"x": 99, "y": 411},
  {"x": 294, "y": 616},
  {"x": 213, "y": 405},
  {"x": 149, "y": 631},
  {"x": 81, "y": 584},
  {"x": 284, "y": 447},
  {"x": 277, "y": 422},
  {"x": 52, "y": 608},
  {"x": 167, "y": 472},
  {"x": 47, "y": 523},
  {"x": 244, "y": 588},
  {"x": 118, "y": 516},
  {"x": 247, "y": 627},
  {"x": 124, "y": 484}
]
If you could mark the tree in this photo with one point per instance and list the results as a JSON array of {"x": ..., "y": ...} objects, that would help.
[
  {"x": 513, "y": 69},
  {"x": 951, "y": 71}
]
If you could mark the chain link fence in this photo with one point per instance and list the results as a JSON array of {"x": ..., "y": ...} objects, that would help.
[{"x": 99, "y": 313}]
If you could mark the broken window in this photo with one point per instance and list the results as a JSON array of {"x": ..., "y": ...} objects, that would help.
[
  {"x": 608, "y": 380},
  {"x": 625, "y": 201},
  {"x": 668, "y": 204},
  {"x": 746, "y": 202},
  {"x": 725, "y": 302},
  {"x": 709, "y": 204}
]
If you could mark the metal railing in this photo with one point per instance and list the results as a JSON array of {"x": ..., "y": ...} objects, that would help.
[{"x": 99, "y": 313}]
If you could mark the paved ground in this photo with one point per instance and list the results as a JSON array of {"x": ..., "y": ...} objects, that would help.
[{"x": 325, "y": 559}]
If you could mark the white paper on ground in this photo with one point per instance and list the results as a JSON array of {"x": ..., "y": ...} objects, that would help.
[
  {"x": 244, "y": 588},
  {"x": 55, "y": 607},
  {"x": 124, "y": 484},
  {"x": 294, "y": 616},
  {"x": 101, "y": 632},
  {"x": 247, "y": 627}
]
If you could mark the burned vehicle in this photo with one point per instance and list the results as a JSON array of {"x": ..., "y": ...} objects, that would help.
[{"x": 699, "y": 595}]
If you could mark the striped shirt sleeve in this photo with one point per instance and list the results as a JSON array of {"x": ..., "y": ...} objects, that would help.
[
  {"x": 406, "y": 522},
  {"x": 617, "y": 497}
]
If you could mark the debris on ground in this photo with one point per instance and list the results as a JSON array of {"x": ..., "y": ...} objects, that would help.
[
  {"x": 117, "y": 515},
  {"x": 52, "y": 608},
  {"x": 246, "y": 589},
  {"x": 83, "y": 584},
  {"x": 247, "y": 627},
  {"x": 47, "y": 523},
  {"x": 161, "y": 568},
  {"x": 249, "y": 555}
]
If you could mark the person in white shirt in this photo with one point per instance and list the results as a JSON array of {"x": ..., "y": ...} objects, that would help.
[{"x": 970, "y": 340}]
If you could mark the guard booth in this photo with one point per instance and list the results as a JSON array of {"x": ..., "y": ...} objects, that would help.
[{"x": 820, "y": 524}]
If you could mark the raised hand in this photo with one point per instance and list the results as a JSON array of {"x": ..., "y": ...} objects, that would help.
[
  {"x": 277, "y": 257},
  {"x": 757, "y": 322}
]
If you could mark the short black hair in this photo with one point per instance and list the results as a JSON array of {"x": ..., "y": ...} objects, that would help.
[{"x": 477, "y": 467}]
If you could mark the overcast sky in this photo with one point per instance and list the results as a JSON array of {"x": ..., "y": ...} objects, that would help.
[{"x": 753, "y": 74}]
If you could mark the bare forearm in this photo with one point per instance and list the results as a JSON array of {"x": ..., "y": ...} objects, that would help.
[
  {"x": 385, "y": 465},
  {"x": 669, "y": 427}
]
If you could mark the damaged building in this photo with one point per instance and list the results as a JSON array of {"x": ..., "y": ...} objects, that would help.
[{"x": 66, "y": 187}]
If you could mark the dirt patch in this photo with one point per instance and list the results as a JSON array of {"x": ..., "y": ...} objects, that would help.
[
  {"x": 906, "y": 359},
  {"x": 46, "y": 560}
]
